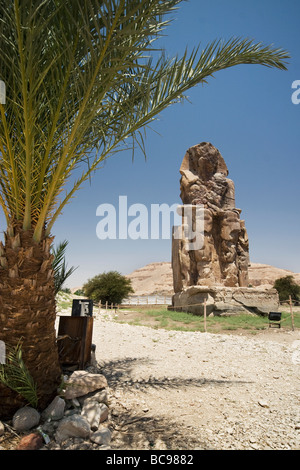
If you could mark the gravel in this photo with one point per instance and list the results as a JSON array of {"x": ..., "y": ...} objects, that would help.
[{"x": 191, "y": 390}]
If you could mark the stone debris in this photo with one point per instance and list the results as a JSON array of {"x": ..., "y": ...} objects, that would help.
[
  {"x": 174, "y": 390},
  {"x": 68, "y": 423}
]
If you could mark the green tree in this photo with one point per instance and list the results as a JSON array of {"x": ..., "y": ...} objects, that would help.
[
  {"x": 109, "y": 287},
  {"x": 287, "y": 286},
  {"x": 83, "y": 80}
]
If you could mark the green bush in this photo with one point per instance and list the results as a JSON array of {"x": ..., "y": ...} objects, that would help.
[
  {"x": 109, "y": 287},
  {"x": 287, "y": 286}
]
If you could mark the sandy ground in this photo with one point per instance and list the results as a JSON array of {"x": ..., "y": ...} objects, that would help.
[{"x": 190, "y": 390}]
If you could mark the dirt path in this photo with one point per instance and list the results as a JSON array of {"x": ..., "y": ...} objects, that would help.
[{"x": 187, "y": 390}]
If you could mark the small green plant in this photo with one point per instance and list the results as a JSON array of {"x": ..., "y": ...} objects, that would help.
[{"x": 15, "y": 375}]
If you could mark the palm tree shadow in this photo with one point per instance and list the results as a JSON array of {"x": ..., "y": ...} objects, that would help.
[
  {"x": 132, "y": 428},
  {"x": 119, "y": 375}
]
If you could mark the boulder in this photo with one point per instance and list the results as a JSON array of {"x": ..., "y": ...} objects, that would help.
[
  {"x": 226, "y": 300},
  {"x": 81, "y": 383},
  {"x": 72, "y": 426},
  {"x": 55, "y": 410},
  {"x": 25, "y": 418}
]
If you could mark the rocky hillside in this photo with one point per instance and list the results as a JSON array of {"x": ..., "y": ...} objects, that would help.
[{"x": 156, "y": 278}]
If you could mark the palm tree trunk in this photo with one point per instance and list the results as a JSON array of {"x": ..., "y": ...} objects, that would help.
[{"x": 27, "y": 313}]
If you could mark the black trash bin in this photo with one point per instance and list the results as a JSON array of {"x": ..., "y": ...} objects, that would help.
[
  {"x": 82, "y": 308},
  {"x": 274, "y": 319}
]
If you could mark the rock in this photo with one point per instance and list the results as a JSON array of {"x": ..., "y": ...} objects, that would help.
[
  {"x": 81, "y": 383},
  {"x": 2, "y": 428},
  {"x": 226, "y": 300},
  {"x": 55, "y": 410},
  {"x": 263, "y": 404},
  {"x": 101, "y": 437},
  {"x": 100, "y": 396},
  {"x": 72, "y": 426},
  {"x": 103, "y": 412},
  {"x": 33, "y": 441},
  {"x": 25, "y": 418},
  {"x": 91, "y": 411}
]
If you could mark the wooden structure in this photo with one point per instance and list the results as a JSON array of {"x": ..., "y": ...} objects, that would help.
[{"x": 74, "y": 340}]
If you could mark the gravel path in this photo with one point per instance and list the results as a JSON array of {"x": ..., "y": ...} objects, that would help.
[{"x": 187, "y": 390}]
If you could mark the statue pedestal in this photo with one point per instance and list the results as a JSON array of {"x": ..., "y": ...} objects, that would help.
[{"x": 226, "y": 300}]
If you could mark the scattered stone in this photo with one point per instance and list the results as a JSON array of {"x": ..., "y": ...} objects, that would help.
[
  {"x": 100, "y": 396},
  {"x": 103, "y": 412},
  {"x": 2, "y": 428},
  {"x": 263, "y": 404},
  {"x": 101, "y": 437},
  {"x": 91, "y": 411},
  {"x": 25, "y": 418},
  {"x": 55, "y": 410},
  {"x": 33, "y": 441},
  {"x": 72, "y": 426},
  {"x": 82, "y": 382}
]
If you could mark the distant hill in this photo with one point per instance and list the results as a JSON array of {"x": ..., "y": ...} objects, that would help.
[{"x": 156, "y": 278}]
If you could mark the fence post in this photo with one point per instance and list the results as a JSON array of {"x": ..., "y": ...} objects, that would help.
[
  {"x": 292, "y": 314},
  {"x": 205, "y": 315}
]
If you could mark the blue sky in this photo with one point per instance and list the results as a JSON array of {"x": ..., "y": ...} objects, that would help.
[{"x": 246, "y": 112}]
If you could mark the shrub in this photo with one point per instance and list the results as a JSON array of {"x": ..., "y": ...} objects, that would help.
[
  {"x": 287, "y": 286},
  {"x": 109, "y": 287}
]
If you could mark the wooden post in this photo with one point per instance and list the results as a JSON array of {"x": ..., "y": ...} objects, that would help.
[
  {"x": 292, "y": 313},
  {"x": 99, "y": 307},
  {"x": 205, "y": 315},
  {"x": 106, "y": 306}
]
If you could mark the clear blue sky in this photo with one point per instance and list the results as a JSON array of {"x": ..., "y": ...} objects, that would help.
[{"x": 246, "y": 112}]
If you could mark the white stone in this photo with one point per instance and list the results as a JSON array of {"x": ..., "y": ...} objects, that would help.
[
  {"x": 81, "y": 383},
  {"x": 91, "y": 411},
  {"x": 72, "y": 426},
  {"x": 101, "y": 437}
]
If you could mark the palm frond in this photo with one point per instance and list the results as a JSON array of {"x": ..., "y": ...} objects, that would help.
[
  {"x": 15, "y": 375},
  {"x": 82, "y": 81},
  {"x": 61, "y": 271}
]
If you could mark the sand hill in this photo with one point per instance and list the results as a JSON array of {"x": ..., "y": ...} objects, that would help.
[{"x": 156, "y": 278}]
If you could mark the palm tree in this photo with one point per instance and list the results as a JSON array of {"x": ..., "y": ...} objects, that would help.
[{"x": 83, "y": 80}]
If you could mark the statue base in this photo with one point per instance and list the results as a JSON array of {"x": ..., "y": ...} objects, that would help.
[{"x": 226, "y": 300}]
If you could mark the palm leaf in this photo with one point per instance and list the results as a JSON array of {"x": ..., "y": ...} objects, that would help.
[
  {"x": 15, "y": 375},
  {"x": 83, "y": 79},
  {"x": 61, "y": 272}
]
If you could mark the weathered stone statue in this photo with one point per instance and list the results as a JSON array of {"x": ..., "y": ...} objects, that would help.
[
  {"x": 224, "y": 256},
  {"x": 221, "y": 260}
]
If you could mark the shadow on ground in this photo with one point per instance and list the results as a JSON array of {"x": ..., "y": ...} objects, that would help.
[
  {"x": 119, "y": 374},
  {"x": 133, "y": 428}
]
